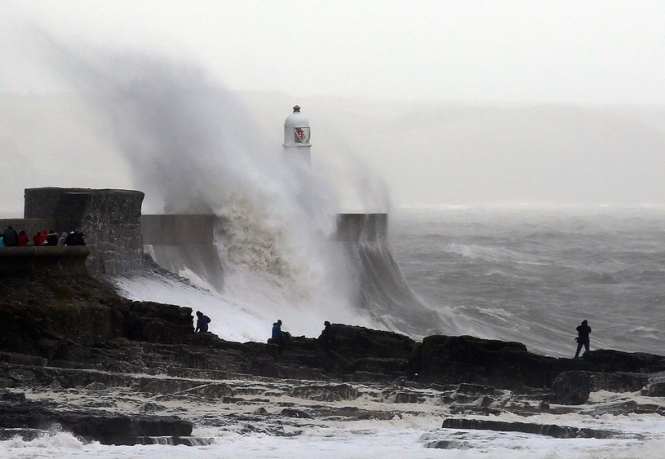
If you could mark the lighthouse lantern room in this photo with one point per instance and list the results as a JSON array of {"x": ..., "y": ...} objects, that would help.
[{"x": 296, "y": 137}]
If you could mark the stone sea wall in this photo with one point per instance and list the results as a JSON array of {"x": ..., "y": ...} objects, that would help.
[
  {"x": 110, "y": 219},
  {"x": 184, "y": 242}
]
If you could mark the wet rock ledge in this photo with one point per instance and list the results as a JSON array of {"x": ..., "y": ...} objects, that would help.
[{"x": 65, "y": 333}]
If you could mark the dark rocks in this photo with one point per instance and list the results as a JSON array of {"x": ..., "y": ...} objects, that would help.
[
  {"x": 458, "y": 359},
  {"x": 15, "y": 397},
  {"x": 549, "y": 430},
  {"x": 656, "y": 386},
  {"x": 78, "y": 334},
  {"x": 158, "y": 323},
  {"x": 92, "y": 327},
  {"x": 293, "y": 413},
  {"x": 609, "y": 361},
  {"x": 619, "y": 382},
  {"x": 447, "y": 444},
  {"x": 109, "y": 429},
  {"x": 328, "y": 393},
  {"x": 572, "y": 387},
  {"x": 475, "y": 389},
  {"x": 506, "y": 365}
]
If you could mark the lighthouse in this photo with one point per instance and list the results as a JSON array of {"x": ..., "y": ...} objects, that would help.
[{"x": 296, "y": 137}]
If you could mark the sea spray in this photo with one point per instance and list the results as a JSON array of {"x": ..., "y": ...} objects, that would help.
[{"x": 191, "y": 145}]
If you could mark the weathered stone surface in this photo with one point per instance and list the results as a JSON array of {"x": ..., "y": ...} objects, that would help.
[
  {"x": 446, "y": 360},
  {"x": 456, "y": 359},
  {"x": 609, "y": 361},
  {"x": 550, "y": 430},
  {"x": 104, "y": 427},
  {"x": 619, "y": 382},
  {"x": 56, "y": 261},
  {"x": 328, "y": 392},
  {"x": 656, "y": 386},
  {"x": 572, "y": 387}
]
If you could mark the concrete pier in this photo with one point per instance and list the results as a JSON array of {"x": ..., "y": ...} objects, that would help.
[{"x": 184, "y": 243}]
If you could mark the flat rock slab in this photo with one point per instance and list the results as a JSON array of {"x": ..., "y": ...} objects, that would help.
[
  {"x": 106, "y": 428},
  {"x": 550, "y": 430}
]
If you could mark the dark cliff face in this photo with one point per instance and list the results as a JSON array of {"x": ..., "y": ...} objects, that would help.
[{"x": 44, "y": 316}]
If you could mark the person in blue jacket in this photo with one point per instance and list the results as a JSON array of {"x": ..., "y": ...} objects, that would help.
[
  {"x": 279, "y": 337},
  {"x": 202, "y": 322}
]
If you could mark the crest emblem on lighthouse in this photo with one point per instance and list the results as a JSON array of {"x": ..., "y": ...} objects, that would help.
[{"x": 302, "y": 135}]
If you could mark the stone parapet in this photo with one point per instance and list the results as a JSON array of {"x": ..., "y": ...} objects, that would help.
[
  {"x": 110, "y": 220},
  {"x": 178, "y": 229},
  {"x": 362, "y": 227},
  {"x": 56, "y": 261}
]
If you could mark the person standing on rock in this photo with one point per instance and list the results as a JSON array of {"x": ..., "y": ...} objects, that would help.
[
  {"x": 583, "y": 331},
  {"x": 327, "y": 338},
  {"x": 202, "y": 322},
  {"x": 279, "y": 337}
]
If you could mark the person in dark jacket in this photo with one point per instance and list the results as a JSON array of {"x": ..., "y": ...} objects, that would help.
[
  {"x": 10, "y": 237},
  {"x": 51, "y": 239},
  {"x": 280, "y": 337},
  {"x": 202, "y": 322},
  {"x": 582, "y": 339},
  {"x": 75, "y": 238},
  {"x": 327, "y": 338}
]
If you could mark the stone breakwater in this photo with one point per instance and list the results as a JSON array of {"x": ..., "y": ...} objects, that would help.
[{"x": 79, "y": 355}]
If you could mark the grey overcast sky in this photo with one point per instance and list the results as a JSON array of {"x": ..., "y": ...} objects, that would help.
[{"x": 580, "y": 52}]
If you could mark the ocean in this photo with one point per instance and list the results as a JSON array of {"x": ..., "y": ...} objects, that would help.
[
  {"x": 521, "y": 273},
  {"x": 533, "y": 273}
]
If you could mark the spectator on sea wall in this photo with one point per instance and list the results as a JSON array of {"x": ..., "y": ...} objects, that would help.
[
  {"x": 75, "y": 238},
  {"x": 40, "y": 238},
  {"x": 10, "y": 237},
  {"x": 22, "y": 239},
  {"x": 51, "y": 239}
]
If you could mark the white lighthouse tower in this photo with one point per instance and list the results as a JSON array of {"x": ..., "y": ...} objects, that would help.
[{"x": 296, "y": 137}]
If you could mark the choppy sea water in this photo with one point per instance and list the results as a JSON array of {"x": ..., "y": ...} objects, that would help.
[
  {"x": 532, "y": 274},
  {"x": 519, "y": 273}
]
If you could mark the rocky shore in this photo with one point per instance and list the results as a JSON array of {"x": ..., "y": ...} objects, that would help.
[{"x": 76, "y": 356}]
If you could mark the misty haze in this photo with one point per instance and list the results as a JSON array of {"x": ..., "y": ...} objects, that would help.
[{"x": 424, "y": 153}]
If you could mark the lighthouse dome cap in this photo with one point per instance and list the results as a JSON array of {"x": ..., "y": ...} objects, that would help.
[{"x": 296, "y": 119}]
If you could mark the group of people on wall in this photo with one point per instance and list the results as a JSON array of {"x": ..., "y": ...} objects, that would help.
[{"x": 11, "y": 238}]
